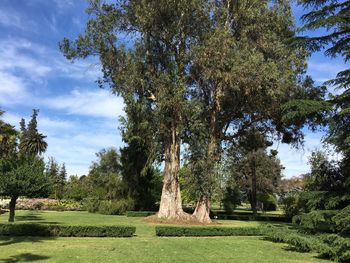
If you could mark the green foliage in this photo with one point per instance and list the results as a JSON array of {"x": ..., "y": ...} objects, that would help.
[
  {"x": 65, "y": 230},
  {"x": 338, "y": 248},
  {"x": 77, "y": 188},
  {"x": 206, "y": 231},
  {"x": 334, "y": 17},
  {"x": 316, "y": 221},
  {"x": 248, "y": 217},
  {"x": 329, "y": 245},
  {"x": 57, "y": 175},
  {"x": 268, "y": 201},
  {"x": 232, "y": 198},
  {"x": 31, "y": 141},
  {"x": 115, "y": 207},
  {"x": 342, "y": 221},
  {"x": 256, "y": 173},
  {"x": 23, "y": 177},
  {"x": 139, "y": 213},
  {"x": 290, "y": 207}
]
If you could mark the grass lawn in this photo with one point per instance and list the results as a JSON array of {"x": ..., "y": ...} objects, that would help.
[{"x": 144, "y": 247}]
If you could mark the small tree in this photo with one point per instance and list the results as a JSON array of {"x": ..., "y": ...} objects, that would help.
[{"x": 22, "y": 171}]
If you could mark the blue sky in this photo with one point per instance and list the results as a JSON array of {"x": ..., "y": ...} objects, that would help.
[{"x": 78, "y": 118}]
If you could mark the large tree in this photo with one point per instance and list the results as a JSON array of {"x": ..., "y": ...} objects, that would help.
[
  {"x": 22, "y": 171},
  {"x": 154, "y": 64},
  {"x": 243, "y": 72}
]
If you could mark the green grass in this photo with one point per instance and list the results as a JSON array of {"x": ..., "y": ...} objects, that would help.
[{"x": 144, "y": 247}]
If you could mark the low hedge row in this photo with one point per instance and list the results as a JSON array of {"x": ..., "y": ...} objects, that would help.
[
  {"x": 243, "y": 217},
  {"x": 139, "y": 213},
  {"x": 65, "y": 230},
  {"x": 171, "y": 231}
]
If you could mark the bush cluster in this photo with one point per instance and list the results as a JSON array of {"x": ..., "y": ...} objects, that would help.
[
  {"x": 48, "y": 204},
  {"x": 316, "y": 221},
  {"x": 115, "y": 207},
  {"x": 172, "y": 231},
  {"x": 330, "y": 246},
  {"x": 65, "y": 230},
  {"x": 139, "y": 213}
]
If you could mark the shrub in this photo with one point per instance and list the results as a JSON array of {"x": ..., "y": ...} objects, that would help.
[
  {"x": 65, "y": 230},
  {"x": 316, "y": 221},
  {"x": 268, "y": 201},
  {"x": 206, "y": 231},
  {"x": 139, "y": 213},
  {"x": 48, "y": 204},
  {"x": 4, "y": 203},
  {"x": 338, "y": 248},
  {"x": 342, "y": 221},
  {"x": 331, "y": 246},
  {"x": 91, "y": 205},
  {"x": 118, "y": 207},
  {"x": 231, "y": 199},
  {"x": 290, "y": 206}
]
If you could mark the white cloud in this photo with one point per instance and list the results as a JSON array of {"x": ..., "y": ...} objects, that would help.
[
  {"x": 10, "y": 18},
  {"x": 323, "y": 71},
  {"x": 12, "y": 89},
  {"x": 97, "y": 103}
]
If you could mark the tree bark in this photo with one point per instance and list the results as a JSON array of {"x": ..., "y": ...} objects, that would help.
[
  {"x": 254, "y": 201},
  {"x": 170, "y": 202},
  {"x": 202, "y": 211},
  {"x": 12, "y": 207}
]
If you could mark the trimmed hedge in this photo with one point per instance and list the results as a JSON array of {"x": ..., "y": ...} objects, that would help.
[
  {"x": 170, "y": 231},
  {"x": 65, "y": 230},
  {"x": 248, "y": 217},
  {"x": 139, "y": 213}
]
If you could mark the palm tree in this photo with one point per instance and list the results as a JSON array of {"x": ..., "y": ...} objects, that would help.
[{"x": 34, "y": 144}]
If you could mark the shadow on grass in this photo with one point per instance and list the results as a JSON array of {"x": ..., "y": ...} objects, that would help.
[
  {"x": 7, "y": 240},
  {"x": 31, "y": 217},
  {"x": 24, "y": 257}
]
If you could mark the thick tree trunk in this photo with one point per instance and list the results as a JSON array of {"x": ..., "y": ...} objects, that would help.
[
  {"x": 254, "y": 199},
  {"x": 202, "y": 211},
  {"x": 12, "y": 207},
  {"x": 170, "y": 202}
]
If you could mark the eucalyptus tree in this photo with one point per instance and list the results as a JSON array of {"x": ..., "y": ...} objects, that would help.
[
  {"x": 153, "y": 65},
  {"x": 243, "y": 72}
]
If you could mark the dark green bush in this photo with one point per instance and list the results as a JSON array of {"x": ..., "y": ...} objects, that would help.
[
  {"x": 268, "y": 201},
  {"x": 65, "y": 230},
  {"x": 338, "y": 248},
  {"x": 290, "y": 206},
  {"x": 139, "y": 213},
  {"x": 330, "y": 246},
  {"x": 117, "y": 207},
  {"x": 91, "y": 205},
  {"x": 316, "y": 221},
  {"x": 206, "y": 231},
  {"x": 106, "y": 207},
  {"x": 232, "y": 198},
  {"x": 342, "y": 221}
]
